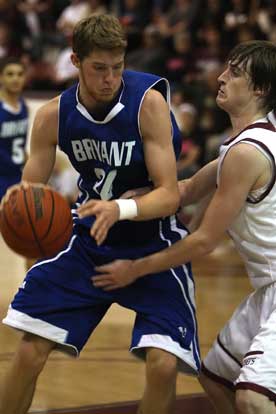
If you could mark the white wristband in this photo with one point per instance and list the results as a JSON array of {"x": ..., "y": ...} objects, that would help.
[{"x": 128, "y": 208}]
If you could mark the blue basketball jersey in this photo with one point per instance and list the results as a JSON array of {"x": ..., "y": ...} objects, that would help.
[
  {"x": 13, "y": 137},
  {"x": 109, "y": 154}
]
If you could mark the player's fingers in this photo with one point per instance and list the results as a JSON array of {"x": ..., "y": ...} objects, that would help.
[
  {"x": 101, "y": 283},
  {"x": 111, "y": 287},
  {"x": 99, "y": 233},
  {"x": 100, "y": 277},
  {"x": 103, "y": 269},
  {"x": 87, "y": 207},
  {"x": 9, "y": 192}
]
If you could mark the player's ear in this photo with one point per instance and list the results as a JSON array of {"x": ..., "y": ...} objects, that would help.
[{"x": 75, "y": 60}]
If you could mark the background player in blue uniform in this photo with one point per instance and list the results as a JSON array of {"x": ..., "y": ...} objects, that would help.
[
  {"x": 13, "y": 123},
  {"x": 117, "y": 130}
]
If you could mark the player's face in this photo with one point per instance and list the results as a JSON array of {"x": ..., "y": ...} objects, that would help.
[
  {"x": 13, "y": 78},
  {"x": 101, "y": 74},
  {"x": 235, "y": 90}
]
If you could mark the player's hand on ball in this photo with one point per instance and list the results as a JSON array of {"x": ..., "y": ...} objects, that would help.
[
  {"x": 115, "y": 275},
  {"x": 106, "y": 212},
  {"x": 12, "y": 189},
  {"x": 16, "y": 187}
]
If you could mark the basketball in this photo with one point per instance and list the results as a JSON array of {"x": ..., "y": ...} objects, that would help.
[{"x": 36, "y": 222}]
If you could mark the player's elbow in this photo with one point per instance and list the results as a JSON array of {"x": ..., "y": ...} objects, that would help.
[
  {"x": 173, "y": 203},
  {"x": 205, "y": 243}
]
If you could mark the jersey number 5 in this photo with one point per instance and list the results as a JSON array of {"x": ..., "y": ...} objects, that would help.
[{"x": 18, "y": 151}]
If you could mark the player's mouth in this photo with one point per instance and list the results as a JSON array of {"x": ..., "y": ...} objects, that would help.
[{"x": 107, "y": 92}]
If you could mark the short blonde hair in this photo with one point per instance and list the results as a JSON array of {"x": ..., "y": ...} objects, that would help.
[{"x": 102, "y": 31}]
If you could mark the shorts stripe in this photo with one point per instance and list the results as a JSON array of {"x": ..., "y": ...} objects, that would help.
[
  {"x": 53, "y": 259},
  {"x": 188, "y": 301}
]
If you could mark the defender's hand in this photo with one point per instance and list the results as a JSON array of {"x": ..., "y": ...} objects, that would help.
[
  {"x": 106, "y": 212},
  {"x": 115, "y": 275}
]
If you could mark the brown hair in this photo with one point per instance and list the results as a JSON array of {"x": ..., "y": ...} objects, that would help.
[
  {"x": 102, "y": 31},
  {"x": 10, "y": 60},
  {"x": 258, "y": 59}
]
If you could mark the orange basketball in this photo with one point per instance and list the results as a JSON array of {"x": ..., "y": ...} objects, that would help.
[{"x": 36, "y": 222}]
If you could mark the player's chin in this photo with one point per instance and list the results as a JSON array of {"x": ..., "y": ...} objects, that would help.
[
  {"x": 220, "y": 101},
  {"x": 105, "y": 96}
]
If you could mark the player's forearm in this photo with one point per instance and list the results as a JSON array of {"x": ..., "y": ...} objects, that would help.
[
  {"x": 36, "y": 171},
  {"x": 179, "y": 253},
  {"x": 199, "y": 185},
  {"x": 159, "y": 202}
]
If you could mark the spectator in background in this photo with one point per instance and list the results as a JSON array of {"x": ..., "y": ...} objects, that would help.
[
  {"x": 180, "y": 61},
  {"x": 213, "y": 12},
  {"x": 150, "y": 56},
  {"x": 134, "y": 15},
  {"x": 77, "y": 10},
  {"x": 181, "y": 16},
  {"x": 210, "y": 53},
  {"x": 188, "y": 162},
  {"x": 97, "y": 7},
  {"x": 35, "y": 17},
  {"x": 8, "y": 47}
]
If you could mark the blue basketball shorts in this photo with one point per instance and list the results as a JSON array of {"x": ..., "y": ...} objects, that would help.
[{"x": 58, "y": 301}]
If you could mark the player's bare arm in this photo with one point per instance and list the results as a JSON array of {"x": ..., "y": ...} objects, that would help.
[
  {"x": 43, "y": 144},
  {"x": 225, "y": 205},
  {"x": 191, "y": 189},
  {"x": 156, "y": 133},
  {"x": 199, "y": 185}
]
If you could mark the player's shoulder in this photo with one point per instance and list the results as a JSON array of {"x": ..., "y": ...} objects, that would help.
[
  {"x": 153, "y": 99},
  {"x": 49, "y": 111}
]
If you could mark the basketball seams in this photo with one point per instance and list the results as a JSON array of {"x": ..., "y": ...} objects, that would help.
[
  {"x": 6, "y": 220},
  {"x": 52, "y": 216},
  {"x": 64, "y": 231},
  {"x": 31, "y": 222},
  {"x": 6, "y": 225}
]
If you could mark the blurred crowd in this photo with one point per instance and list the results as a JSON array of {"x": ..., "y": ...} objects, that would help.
[{"x": 186, "y": 41}]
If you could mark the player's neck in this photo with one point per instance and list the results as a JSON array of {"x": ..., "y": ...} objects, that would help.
[
  {"x": 239, "y": 123},
  {"x": 97, "y": 109},
  {"x": 10, "y": 98}
]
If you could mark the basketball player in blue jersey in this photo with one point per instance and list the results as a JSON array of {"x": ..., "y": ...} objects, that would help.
[
  {"x": 239, "y": 372},
  {"x": 13, "y": 122},
  {"x": 117, "y": 130}
]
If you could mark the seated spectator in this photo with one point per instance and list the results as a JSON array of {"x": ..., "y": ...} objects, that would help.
[
  {"x": 180, "y": 61},
  {"x": 188, "y": 162},
  {"x": 77, "y": 10},
  {"x": 134, "y": 16},
  {"x": 150, "y": 56},
  {"x": 96, "y": 7},
  {"x": 8, "y": 45}
]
